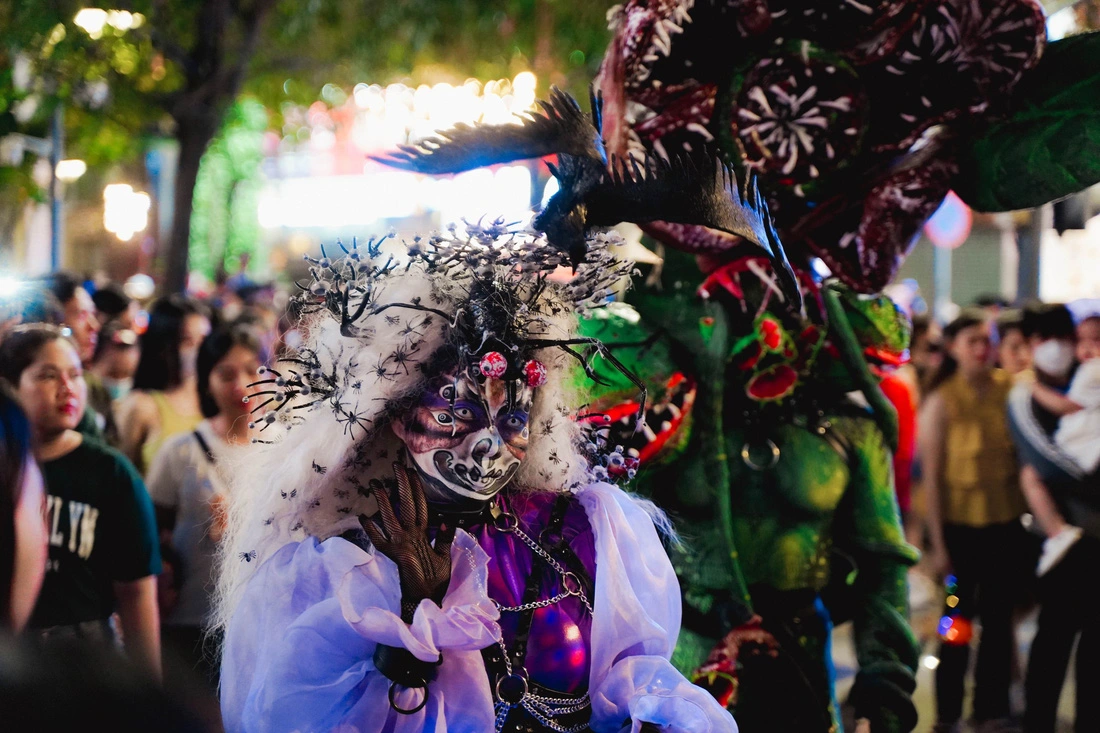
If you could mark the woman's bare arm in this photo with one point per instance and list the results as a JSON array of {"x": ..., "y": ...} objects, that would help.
[
  {"x": 931, "y": 434},
  {"x": 140, "y": 620}
]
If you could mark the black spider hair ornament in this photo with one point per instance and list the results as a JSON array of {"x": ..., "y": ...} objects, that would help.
[{"x": 488, "y": 288}]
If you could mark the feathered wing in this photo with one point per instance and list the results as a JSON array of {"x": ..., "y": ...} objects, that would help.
[
  {"x": 697, "y": 189},
  {"x": 562, "y": 128}
]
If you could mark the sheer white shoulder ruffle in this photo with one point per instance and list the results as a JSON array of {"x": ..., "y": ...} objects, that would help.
[{"x": 299, "y": 647}]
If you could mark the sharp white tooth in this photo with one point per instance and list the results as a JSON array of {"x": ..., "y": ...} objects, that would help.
[
  {"x": 672, "y": 27},
  {"x": 648, "y": 432},
  {"x": 660, "y": 149},
  {"x": 700, "y": 130},
  {"x": 650, "y": 58},
  {"x": 674, "y": 410},
  {"x": 662, "y": 36},
  {"x": 666, "y": 426}
]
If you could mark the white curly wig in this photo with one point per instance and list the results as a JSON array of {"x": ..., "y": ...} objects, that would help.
[{"x": 380, "y": 327}]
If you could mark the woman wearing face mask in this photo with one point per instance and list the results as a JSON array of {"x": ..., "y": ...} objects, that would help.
[
  {"x": 165, "y": 401},
  {"x": 188, "y": 485},
  {"x": 111, "y": 374},
  {"x": 497, "y": 584},
  {"x": 103, "y": 554},
  {"x": 973, "y": 509}
]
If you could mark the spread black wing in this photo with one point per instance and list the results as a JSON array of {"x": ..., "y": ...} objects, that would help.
[
  {"x": 563, "y": 128},
  {"x": 696, "y": 188}
]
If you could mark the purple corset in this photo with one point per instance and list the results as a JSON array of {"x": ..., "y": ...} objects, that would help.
[{"x": 558, "y": 646}]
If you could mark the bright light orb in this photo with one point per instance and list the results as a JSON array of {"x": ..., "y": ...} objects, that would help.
[{"x": 125, "y": 211}]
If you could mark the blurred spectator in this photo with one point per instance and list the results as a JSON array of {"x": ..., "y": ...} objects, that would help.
[
  {"x": 973, "y": 506},
  {"x": 113, "y": 304},
  {"x": 992, "y": 304},
  {"x": 78, "y": 312},
  {"x": 61, "y": 300},
  {"x": 1013, "y": 350},
  {"x": 103, "y": 551},
  {"x": 22, "y": 529},
  {"x": 164, "y": 401},
  {"x": 925, "y": 353},
  {"x": 188, "y": 485},
  {"x": 1065, "y": 502},
  {"x": 111, "y": 374}
]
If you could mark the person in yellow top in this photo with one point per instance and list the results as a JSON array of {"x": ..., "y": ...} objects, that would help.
[
  {"x": 974, "y": 504},
  {"x": 165, "y": 399}
]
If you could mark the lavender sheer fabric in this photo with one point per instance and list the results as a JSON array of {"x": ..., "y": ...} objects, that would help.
[{"x": 298, "y": 651}]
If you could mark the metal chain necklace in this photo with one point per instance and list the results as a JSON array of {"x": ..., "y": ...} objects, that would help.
[{"x": 512, "y": 689}]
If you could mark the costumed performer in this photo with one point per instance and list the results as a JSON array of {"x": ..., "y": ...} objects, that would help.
[{"x": 494, "y": 585}]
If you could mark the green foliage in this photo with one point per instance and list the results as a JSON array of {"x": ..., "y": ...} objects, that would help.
[
  {"x": 1050, "y": 146},
  {"x": 224, "y": 225}
]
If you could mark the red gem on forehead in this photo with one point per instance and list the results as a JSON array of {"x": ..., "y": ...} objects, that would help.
[
  {"x": 535, "y": 372},
  {"x": 493, "y": 365}
]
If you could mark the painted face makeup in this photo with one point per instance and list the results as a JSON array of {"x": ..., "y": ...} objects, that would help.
[{"x": 467, "y": 437}]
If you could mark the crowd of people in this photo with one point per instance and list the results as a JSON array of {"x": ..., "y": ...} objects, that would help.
[
  {"x": 118, "y": 416},
  {"x": 1005, "y": 476}
]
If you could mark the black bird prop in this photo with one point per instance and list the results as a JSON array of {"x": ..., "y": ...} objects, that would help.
[{"x": 688, "y": 188}]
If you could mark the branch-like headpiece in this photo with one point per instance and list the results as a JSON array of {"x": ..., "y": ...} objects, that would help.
[{"x": 488, "y": 288}]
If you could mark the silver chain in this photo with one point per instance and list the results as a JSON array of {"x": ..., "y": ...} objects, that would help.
[
  {"x": 565, "y": 575},
  {"x": 541, "y": 708}
]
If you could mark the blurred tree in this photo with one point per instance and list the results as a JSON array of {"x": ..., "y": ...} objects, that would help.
[
  {"x": 176, "y": 66},
  {"x": 224, "y": 223}
]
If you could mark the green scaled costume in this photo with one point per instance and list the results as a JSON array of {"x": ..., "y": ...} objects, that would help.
[
  {"x": 779, "y": 484},
  {"x": 858, "y": 118}
]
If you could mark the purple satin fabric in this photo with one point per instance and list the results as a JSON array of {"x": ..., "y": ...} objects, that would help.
[{"x": 559, "y": 642}]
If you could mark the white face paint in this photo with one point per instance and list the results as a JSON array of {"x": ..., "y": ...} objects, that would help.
[{"x": 467, "y": 437}]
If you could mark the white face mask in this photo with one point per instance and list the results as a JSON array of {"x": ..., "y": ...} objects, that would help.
[
  {"x": 1053, "y": 357},
  {"x": 467, "y": 439}
]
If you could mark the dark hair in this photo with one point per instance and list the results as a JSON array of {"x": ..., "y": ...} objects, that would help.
[
  {"x": 62, "y": 284},
  {"x": 1010, "y": 320},
  {"x": 20, "y": 348},
  {"x": 214, "y": 348},
  {"x": 1048, "y": 321},
  {"x": 991, "y": 300},
  {"x": 967, "y": 318},
  {"x": 159, "y": 366},
  {"x": 114, "y": 335},
  {"x": 111, "y": 299},
  {"x": 15, "y": 452}
]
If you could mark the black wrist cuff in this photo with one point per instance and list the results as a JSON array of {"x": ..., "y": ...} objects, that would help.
[{"x": 400, "y": 666}]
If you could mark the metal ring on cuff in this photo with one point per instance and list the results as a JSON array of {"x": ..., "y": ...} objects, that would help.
[
  {"x": 507, "y": 522},
  {"x": 403, "y": 711},
  {"x": 507, "y": 677},
  {"x": 746, "y": 456},
  {"x": 572, "y": 588}
]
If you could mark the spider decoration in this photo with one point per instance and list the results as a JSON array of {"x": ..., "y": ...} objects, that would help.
[
  {"x": 303, "y": 376},
  {"x": 247, "y": 556},
  {"x": 501, "y": 279},
  {"x": 346, "y": 286}
]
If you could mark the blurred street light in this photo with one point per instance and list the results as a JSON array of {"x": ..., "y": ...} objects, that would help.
[
  {"x": 69, "y": 170},
  {"x": 125, "y": 211},
  {"x": 94, "y": 20},
  {"x": 91, "y": 20}
]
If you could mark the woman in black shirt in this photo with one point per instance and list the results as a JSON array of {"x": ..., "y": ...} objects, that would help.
[{"x": 103, "y": 551}]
